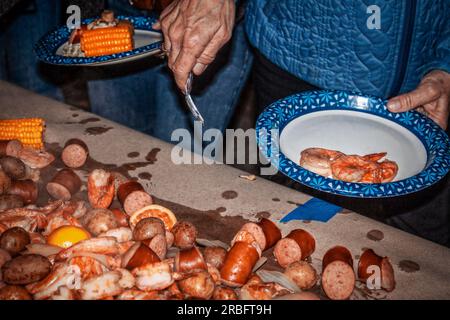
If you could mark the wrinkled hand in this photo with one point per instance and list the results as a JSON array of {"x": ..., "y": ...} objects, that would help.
[
  {"x": 194, "y": 31},
  {"x": 432, "y": 97}
]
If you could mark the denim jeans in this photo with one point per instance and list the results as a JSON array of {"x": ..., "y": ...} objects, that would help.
[
  {"x": 19, "y": 31},
  {"x": 143, "y": 95}
]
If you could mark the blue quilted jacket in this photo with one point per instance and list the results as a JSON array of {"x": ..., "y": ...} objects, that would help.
[{"x": 328, "y": 43}]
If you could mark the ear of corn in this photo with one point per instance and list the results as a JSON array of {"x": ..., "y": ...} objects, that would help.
[
  {"x": 29, "y": 131},
  {"x": 104, "y": 41}
]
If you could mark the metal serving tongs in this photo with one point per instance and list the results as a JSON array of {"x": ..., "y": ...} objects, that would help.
[{"x": 189, "y": 101}]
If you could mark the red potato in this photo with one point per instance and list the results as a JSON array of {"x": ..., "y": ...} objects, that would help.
[
  {"x": 190, "y": 260},
  {"x": 14, "y": 240},
  {"x": 133, "y": 197},
  {"x": 185, "y": 234},
  {"x": 198, "y": 286},
  {"x": 64, "y": 185},
  {"x": 26, "y": 269},
  {"x": 26, "y": 189},
  {"x": 224, "y": 293},
  {"x": 215, "y": 256},
  {"x": 5, "y": 182},
  {"x": 138, "y": 255},
  {"x": 10, "y": 148},
  {"x": 297, "y": 245},
  {"x": 101, "y": 189},
  {"x": 75, "y": 153},
  {"x": 99, "y": 220},
  {"x": 13, "y": 167},
  {"x": 370, "y": 258},
  {"x": 147, "y": 228},
  {"x": 302, "y": 274},
  {"x": 239, "y": 262},
  {"x": 9, "y": 201},
  {"x": 338, "y": 277},
  {"x": 14, "y": 293}
]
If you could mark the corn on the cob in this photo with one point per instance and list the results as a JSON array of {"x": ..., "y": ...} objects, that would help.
[
  {"x": 28, "y": 131},
  {"x": 104, "y": 41}
]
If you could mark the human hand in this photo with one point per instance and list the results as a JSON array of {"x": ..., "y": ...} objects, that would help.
[
  {"x": 194, "y": 31},
  {"x": 431, "y": 97}
]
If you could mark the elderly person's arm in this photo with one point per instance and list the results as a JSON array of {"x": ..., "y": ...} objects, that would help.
[{"x": 194, "y": 31}]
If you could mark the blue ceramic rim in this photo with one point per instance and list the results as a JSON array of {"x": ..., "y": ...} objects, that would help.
[
  {"x": 280, "y": 113},
  {"x": 46, "y": 47}
]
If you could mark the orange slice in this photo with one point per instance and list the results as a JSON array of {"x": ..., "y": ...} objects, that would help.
[
  {"x": 154, "y": 211},
  {"x": 67, "y": 236}
]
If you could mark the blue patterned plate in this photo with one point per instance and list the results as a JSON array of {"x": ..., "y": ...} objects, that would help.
[
  {"x": 147, "y": 42},
  {"x": 353, "y": 124}
]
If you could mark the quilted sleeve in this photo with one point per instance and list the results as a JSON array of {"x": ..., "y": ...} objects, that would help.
[{"x": 440, "y": 58}]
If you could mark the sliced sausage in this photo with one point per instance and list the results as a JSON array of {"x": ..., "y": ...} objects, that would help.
[
  {"x": 138, "y": 255},
  {"x": 13, "y": 167},
  {"x": 239, "y": 262},
  {"x": 10, "y": 148},
  {"x": 9, "y": 201},
  {"x": 271, "y": 232},
  {"x": 257, "y": 232},
  {"x": 26, "y": 189},
  {"x": 158, "y": 244},
  {"x": 5, "y": 182},
  {"x": 370, "y": 258},
  {"x": 75, "y": 153},
  {"x": 190, "y": 260},
  {"x": 338, "y": 277},
  {"x": 297, "y": 245},
  {"x": 133, "y": 197},
  {"x": 64, "y": 185}
]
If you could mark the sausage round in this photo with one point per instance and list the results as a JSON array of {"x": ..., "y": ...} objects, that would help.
[
  {"x": 215, "y": 256},
  {"x": 185, "y": 234},
  {"x": 338, "y": 277},
  {"x": 257, "y": 232},
  {"x": 64, "y": 185},
  {"x": 14, "y": 240},
  {"x": 26, "y": 269},
  {"x": 190, "y": 260},
  {"x": 133, "y": 197},
  {"x": 138, "y": 255},
  {"x": 239, "y": 262},
  {"x": 10, "y": 148},
  {"x": 75, "y": 153},
  {"x": 14, "y": 293},
  {"x": 297, "y": 245},
  {"x": 9, "y": 201},
  {"x": 158, "y": 244},
  {"x": 13, "y": 167},
  {"x": 26, "y": 189},
  {"x": 271, "y": 232},
  {"x": 5, "y": 182},
  {"x": 370, "y": 258}
]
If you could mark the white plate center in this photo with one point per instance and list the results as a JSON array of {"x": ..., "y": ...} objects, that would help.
[{"x": 355, "y": 132}]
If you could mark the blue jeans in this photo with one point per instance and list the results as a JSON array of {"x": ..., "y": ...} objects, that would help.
[
  {"x": 143, "y": 94},
  {"x": 18, "y": 33}
]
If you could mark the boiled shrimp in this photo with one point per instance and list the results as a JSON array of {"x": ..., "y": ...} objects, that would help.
[{"x": 318, "y": 160}]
